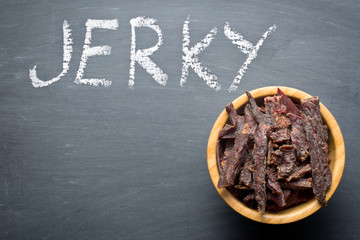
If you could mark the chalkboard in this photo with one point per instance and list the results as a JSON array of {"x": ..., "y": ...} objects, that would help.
[{"x": 126, "y": 159}]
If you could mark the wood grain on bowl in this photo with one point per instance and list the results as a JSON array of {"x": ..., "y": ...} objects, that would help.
[{"x": 336, "y": 153}]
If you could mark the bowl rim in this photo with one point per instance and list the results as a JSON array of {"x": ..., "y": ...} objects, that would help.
[{"x": 291, "y": 214}]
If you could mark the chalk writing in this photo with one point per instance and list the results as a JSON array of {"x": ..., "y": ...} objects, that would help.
[
  {"x": 67, "y": 48},
  {"x": 190, "y": 58},
  {"x": 246, "y": 47},
  {"x": 92, "y": 51},
  {"x": 142, "y": 56}
]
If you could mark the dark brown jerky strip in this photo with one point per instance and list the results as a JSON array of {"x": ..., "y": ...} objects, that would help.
[
  {"x": 289, "y": 158},
  {"x": 237, "y": 120},
  {"x": 290, "y": 106},
  {"x": 272, "y": 182},
  {"x": 299, "y": 172},
  {"x": 276, "y": 157},
  {"x": 298, "y": 136},
  {"x": 222, "y": 157},
  {"x": 282, "y": 121},
  {"x": 228, "y": 129},
  {"x": 232, "y": 166},
  {"x": 279, "y": 200},
  {"x": 274, "y": 186},
  {"x": 245, "y": 174},
  {"x": 249, "y": 199},
  {"x": 313, "y": 126},
  {"x": 302, "y": 183},
  {"x": 296, "y": 197},
  {"x": 259, "y": 116},
  {"x": 280, "y": 135},
  {"x": 274, "y": 106},
  {"x": 317, "y": 161},
  {"x": 259, "y": 156},
  {"x": 249, "y": 118}
]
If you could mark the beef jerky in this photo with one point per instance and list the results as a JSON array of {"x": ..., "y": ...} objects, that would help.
[
  {"x": 259, "y": 116},
  {"x": 228, "y": 130},
  {"x": 302, "y": 183},
  {"x": 259, "y": 156},
  {"x": 289, "y": 157},
  {"x": 299, "y": 172},
  {"x": 298, "y": 136},
  {"x": 232, "y": 166},
  {"x": 280, "y": 135},
  {"x": 318, "y": 164},
  {"x": 276, "y": 157},
  {"x": 274, "y": 106},
  {"x": 222, "y": 157},
  {"x": 272, "y": 182},
  {"x": 279, "y": 200},
  {"x": 282, "y": 121},
  {"x": 249, "y": 199},
  {"x": 245, "y": 178},
  {"x": 249, "y": 118},
  {"x": 275, "y": 187},
  {"x": 319, "y": 151},
  {"x": 290, "y": 106},
  {"x": 235, "y": 119}
]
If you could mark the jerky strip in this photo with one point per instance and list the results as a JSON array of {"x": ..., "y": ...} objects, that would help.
[
  {"x": 259, "y": 116},
  {"x": 249, "y": 118},
  {"x": 245, "y": 174},
  {"x": 274, "y": 106},
  {"x": 299, "y": 172},
  {"x": 235, "y": 119},
  {"x": 280, "y": 135},
  {"x": 319, "y": 150},
  {"x": 290, "y": 106},
  {"x": 275, "y": 187},
  {"x": 276, "y": 157},
  {"x": 298, "y": 136},
  {"x": 279, "y": 200},
  {"x": 288, "y": 164},
  {"x": 259, "y": 154},
  {"x": 228, "y": 129},
  {"x": 232, "y": 166},
  {"x": 302, "y": 183}
]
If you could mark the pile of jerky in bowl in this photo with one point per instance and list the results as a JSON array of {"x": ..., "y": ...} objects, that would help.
[{"x": 275, "y": 156}]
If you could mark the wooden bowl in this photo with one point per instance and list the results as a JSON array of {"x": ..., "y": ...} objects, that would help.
[{"x": 336, "y": 153}]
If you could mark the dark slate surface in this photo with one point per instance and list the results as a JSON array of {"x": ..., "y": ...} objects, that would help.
[{"x": 82, "y": 162}]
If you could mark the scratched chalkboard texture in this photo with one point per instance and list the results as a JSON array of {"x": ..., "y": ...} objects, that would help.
[{"x": 86, "y": 162}]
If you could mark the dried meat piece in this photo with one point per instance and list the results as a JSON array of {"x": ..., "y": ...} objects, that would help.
[
  {"x": 279, "y": 200},
  {"x": 249, "y": 200},
  {"x": 326, "y": 133},
  {"x": 259, "y": 116},
  {"x": 249, "y": 118},
  {"x": 289, "y": 158},
  {"x": 290, "y": 106},
  {"x": 298, "y": 136},
  {"x": 302, "y": 183},
  {"x": 245, "y": 178},
  {"x": 227, "y": 130},
  {"x": 313, "y": 127},
  {"x": 259, "y": 156},
  {"x": 277, "y": 157},
  {"x": 299, "y": 172},
  {"x": 274, "y": 186},
  {"x": 232, "y": 167},
  {"x": 237, "y": 120},
  {"x": 280, "y": 135},
  {"x": 274, "y": 106}
]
